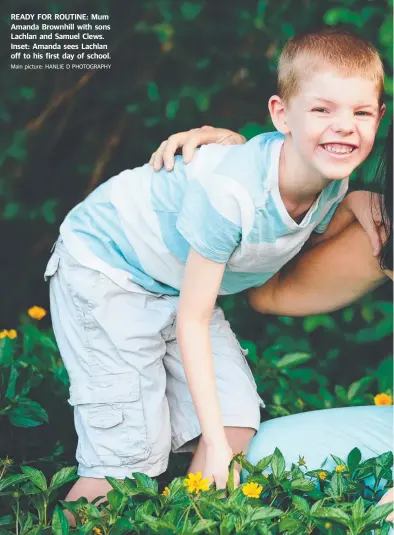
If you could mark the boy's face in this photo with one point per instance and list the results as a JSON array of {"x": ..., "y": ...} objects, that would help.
[{"x": 333, "y": 121}]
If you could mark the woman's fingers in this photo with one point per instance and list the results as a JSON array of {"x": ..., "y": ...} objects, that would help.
[
  {"x": 166, "y": 151},
  {"x": 189, "y": 141}
]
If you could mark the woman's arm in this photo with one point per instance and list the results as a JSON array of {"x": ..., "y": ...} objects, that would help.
[
  {"x": 198, "y": 295},
  {"x": 325, "y": 278}
]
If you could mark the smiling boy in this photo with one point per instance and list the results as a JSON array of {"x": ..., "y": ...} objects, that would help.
[{"x": 135, "y": 276}]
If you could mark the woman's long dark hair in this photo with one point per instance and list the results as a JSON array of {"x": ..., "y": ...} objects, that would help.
[{"x": 385, "y": 177}]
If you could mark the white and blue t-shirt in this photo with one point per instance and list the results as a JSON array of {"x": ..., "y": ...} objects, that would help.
[{"x": 138, "y": 226}]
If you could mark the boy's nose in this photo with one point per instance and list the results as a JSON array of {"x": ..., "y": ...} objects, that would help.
[{"x": 343, "y": 124}]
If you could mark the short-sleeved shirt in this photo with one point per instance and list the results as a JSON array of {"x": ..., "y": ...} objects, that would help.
[{"x": 138, "y": 226}]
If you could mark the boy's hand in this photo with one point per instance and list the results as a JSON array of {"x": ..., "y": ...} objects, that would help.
[
  {"x": 189, "y": 141},
  {"x": 366, "y": 208},
  {"x": 216, "y": 467}
]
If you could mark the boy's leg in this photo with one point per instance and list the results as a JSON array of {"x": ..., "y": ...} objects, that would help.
[
  {"x": 111, "y": 344},
  {"x": 239, "y": 401}
]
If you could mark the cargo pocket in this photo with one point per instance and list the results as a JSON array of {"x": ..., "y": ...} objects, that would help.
[
  {"x": 109, "y": 420},
  {"x": 52, "y": 266}
]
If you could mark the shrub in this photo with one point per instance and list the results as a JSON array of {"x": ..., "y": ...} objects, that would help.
[{"x": 270, "y": 501}]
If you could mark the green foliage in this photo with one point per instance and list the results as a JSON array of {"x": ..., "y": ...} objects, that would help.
[
  {"x": 292, "y": 501},
  {"x": 175, "y": 65}
]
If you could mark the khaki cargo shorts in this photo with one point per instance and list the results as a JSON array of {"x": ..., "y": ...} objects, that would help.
[{"x": 131, "y": 401}]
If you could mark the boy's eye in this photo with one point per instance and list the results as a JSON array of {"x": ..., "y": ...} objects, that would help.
[
  {"x": 320, "y": 110},
  {"x": 363, "y": 113}
]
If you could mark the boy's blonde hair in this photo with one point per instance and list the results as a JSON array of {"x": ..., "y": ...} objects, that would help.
[{"x": 311, "y": 52}]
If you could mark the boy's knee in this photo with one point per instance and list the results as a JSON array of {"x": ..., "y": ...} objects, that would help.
[{"x": 239, "y": 438}]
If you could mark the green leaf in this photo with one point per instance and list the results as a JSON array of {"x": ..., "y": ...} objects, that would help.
[
  {"x": 334, "y": 514},
  {"x": 14, "y": 374},
  {"x": 359, "y": 387},
  {"x": 278, "y": 464},
  {"x": 289, "y": 524},
  {"x": 227, "y": 524},
  {"x": 265, "y": 513},
  {"x": 11, "y": 210},
  {"x": 230, "y": 481},
  {"x": 7, "y": 520},
  {"x": 122, "y": 525},
  {"x": 384, "y": 374},
  {"x": 14, "y": 479},
  {"x": 293, "y": 359},
  {"x": 358, "y": 509},
  {"x": 353, "y": 459},
  {"x": 63, "y": 476},
  {"x": 314, "y": 322},
  {"x": 172, "y": 109},
  {"x": 190, "y": 10},
  {"x": 153, "y": 91},
  {"x": 263, "y": 463},
  {"x": 300, "y": 503},
  {"x": 146, "y": 483},
  {"x": 35, "y": 476},
  {"x": 379, "y": 512},
  {"x": 337, "y": 485},
  {"x": 117, "y": 485},
  {"x": 386, "y": 32},
  {"x": 203, "y": 526},
  {"x": 28, "y": 524},
  {"x": 27, "y": 414},
  {"x": 302, "y": 484},
  {"x": 116, "y": 499},
  {"x": 60, "y": 524}
]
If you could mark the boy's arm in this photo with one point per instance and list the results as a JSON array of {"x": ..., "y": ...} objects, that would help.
[
  {"x": 200, "y": 287},
  {"x": 323, "y": 279}
]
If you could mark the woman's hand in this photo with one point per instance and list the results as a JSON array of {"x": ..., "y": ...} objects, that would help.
[
  {"x": 189, "y": 141},
  {"x": 216, "y": 466},
  {"x": 366, "y": 209}
]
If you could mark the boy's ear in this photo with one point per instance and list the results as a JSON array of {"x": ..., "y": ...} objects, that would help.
[
  {"x": 382, "y": 111},
  {"x": 278, "y": 114}
]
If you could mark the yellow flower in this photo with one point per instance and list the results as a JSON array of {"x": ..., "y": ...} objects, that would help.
[
  {"x": 195, "y": 483},
  {"x": 328, "y": 525},
  {"x": 340, "y": 468},
  {"x": 10, "y": 334},
  {"x": 97, "y": 531},
  {"x": 37, "y": 313},
  {"x": 166, "y": 491},
  {"x": 301, "y": 461},
  {"x": 381, "y": 399},
  {"x": 252, "y": 490},
  {"x": 322, "y": 475}
]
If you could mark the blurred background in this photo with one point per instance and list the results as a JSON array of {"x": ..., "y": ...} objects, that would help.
[{"x": 176, "y": 65}]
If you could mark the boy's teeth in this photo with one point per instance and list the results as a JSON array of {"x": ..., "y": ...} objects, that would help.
[{"x": 339, "y": 149}]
